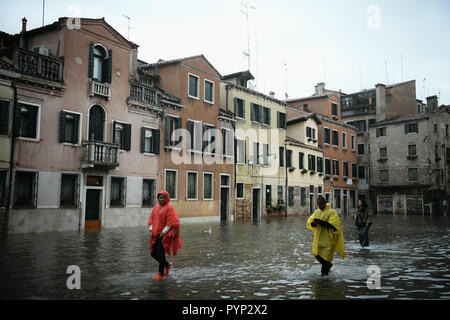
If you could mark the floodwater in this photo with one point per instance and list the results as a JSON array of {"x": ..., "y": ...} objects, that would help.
[{"x": 269, "y": 259}]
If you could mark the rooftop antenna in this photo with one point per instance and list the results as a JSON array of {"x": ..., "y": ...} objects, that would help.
[
  {"x": 246, "y": 6},
  {"x": 43, "y": 12},
  {"x": 256, "y": 59},
  {"x": 128, "y": 18},
  {"x": 284, "y": 68},
  {"x": 361, "y": 77},
  {"x": 324, "y": 59},
  {"x": 423, "y": 89},
  {"x": 401, "y": 66},
  {"x": 387, "y": 76}
]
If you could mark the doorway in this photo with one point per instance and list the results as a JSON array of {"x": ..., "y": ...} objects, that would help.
[
  {"x": 224, "y": 203},
  {"x": 312, "y": 204},
  {"x": 92, "y": 217},
  {"x": 256, "y": 198}
]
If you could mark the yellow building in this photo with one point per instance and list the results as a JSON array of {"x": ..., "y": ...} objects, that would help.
[
  {"x": 305, "y": 162},
  {"x": 260, "y": 134}
]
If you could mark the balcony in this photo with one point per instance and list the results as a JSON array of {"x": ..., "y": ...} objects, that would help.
[
  {"x": 100, "y": 155},
  {"x": 100, "y": 89},
  {"x": 35, "y": 64},
  {"x": 143, "y": 97}
]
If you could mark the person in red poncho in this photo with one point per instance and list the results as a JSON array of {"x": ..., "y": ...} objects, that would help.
[{"x": 164, "y": 225}]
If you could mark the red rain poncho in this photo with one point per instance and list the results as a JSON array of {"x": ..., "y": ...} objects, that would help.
[{"x": 161, "y": 217}]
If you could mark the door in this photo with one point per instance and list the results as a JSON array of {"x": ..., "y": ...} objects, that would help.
[
  {"x": 224, "y": 201},
  {"x": 255, "y": 203},
  {"x": 92, "y": 219},
  {"x": 345, "y": 205},
  {"x": 96, "y": 123},
  {"x": 311, "y": 204}
]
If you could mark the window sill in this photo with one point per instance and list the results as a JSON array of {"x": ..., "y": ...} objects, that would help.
[
  {"x": 28, "y": 139},
  {"x": 172, "y": 148},
  {"x": 71, "y": 144},
  {"x": 208, "y": 199},
  {"x": 209, "y": 102},
  {"x": 195, "y": 98},
  {"x": 382, "y": 160},
  {"x": 149, "y": 154}
]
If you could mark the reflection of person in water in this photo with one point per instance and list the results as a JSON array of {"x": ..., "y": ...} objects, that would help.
[
  {"x": 328, "y": 236},
  {"x": 363, "y": 221}
]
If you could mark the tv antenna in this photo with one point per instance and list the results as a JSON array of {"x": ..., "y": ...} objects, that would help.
[
  {"x": 386, "y": 68},
  {"x": 43, "y": 12},
  {"x": 361, "y": 77},
  {"x": 129, "y": 19},
  {"x": 247, "y": 6},
  {"x": 401, "y": 66},
  {"x": 284, "y": 68},
  {"x": 324, "y": 60}
]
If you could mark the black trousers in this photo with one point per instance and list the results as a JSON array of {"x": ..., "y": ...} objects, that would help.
[
  {"x": 326, "y": 266},
  {"x": 159, "y": 255}
]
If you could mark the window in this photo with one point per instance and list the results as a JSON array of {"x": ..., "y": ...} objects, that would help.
[
  {"x": 372, "y": 121},
  {"x": 352, "y": 142},
  {"x": 227, "y": 142},
  {"x": 361, "y": 172},
  {"x": 209, "y": 91},
  {"x": 418, "y": 108},
  {"x": 288, "y": 158},
  {"x": 122, "y": 135},
  {"x": 301, "y": 160},
  {"x": 100, "y": 63},
  {"x": 209, "y": 139},
  {"x": 255, "y": 153},
  {"x": 224, "y": 180},
  {"x": 239, "y": 108},
  {"x": 446, "y": 130},
  {"x": 361, "y": 125},
  {"x": 413, "y": 174},
  {"x": 69, "y": 127},
  {"x": 28, "y": 124},
  {"x": 70, "y": 190},
  {"x": 352, "y": 199},
  {"x": 311, "y": 162},
  {"x": 383, "y": 175},
  {"x": 345, "y": 168},
  {"x": 319, "y": 164},
  {"x": 336, "y": 167},
  {"x": 335, "y": 137},
  {"x": 192, "y": 184},
  {"x": 334, "y": 109},
  {"x": 281, "y": 154},
  {"x": 344, "y": 140},
  {"x": 25, "y": 189},
  {"x": 240, "y": 151},
  {"x": 193, "y": 86},
  {"x": 311, "y": 133},
  {"x": 281, "y": 120},
  {"x": 327, "y": 166},
  {"x": 148, "y": 192},
  {"x": 326, "y": 135},
  {"x": 303, "y": 196},
  {"x": 280, "y": 193},
  {"x": 266, "y": 116},
  {"x": 118, "y": 192},
  {"x": 97, "y": 117},
  {"x": 354, "y": 170},
  {"x": 255, "y": 112},
  {"x": 290, "y": 196},
  {"x": 383, "y": 153},
  {"x": 4, "y": 117},
  {"x": 265, "y": 154},
  {"x": 3, "y": 175},
  {"x": 239, "y": 190},
  {"x": 381, "y": 132},
  {"x": 411, "y": 127},
  {"x": 172, "y": 131},
  {"x": 268, "y": 195},
  {"x": 435, "y": 128},
  {"x": 150, "y": 140},
  {"x": 194, "y": 140},
  {"x": 360, "y": 148},
  {"x": 208, "y": 179},
  {"x": 171, "y": 183},
  {"x": 337, "y": 198}
]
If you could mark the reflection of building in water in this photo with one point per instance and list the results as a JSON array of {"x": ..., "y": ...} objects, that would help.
[{"x": 327, "y": 289}]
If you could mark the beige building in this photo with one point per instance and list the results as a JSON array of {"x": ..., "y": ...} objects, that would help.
[
  {"x": 305, "y": 164},
  {"x": 260, "y": 134}
]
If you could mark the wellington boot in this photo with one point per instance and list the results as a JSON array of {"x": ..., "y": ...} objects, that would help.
[
  {"x": 158, "y": 277},
  {"x": 167, "y": 269}
]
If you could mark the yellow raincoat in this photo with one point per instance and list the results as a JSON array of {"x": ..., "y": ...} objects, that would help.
[{"x": 326, "y": 240}]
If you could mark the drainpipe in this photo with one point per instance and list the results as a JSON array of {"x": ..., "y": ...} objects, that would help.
[
  {"x": 286, "y": 181},
  {"x": 11, "y": 165},
  {"x": 233, "y": 124}
]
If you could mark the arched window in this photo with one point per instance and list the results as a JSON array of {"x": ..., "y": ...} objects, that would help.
[
  {"x": 100, "y": 63},
  {"x": 96, "y": 123}
]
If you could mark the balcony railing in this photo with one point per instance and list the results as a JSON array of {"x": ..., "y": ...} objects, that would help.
[
  {"x": 36, "y": 65},
  {"x": 100, "y": 88},
  {"x": 100, "y": 155},
  {"x": 143, "y": 94}
]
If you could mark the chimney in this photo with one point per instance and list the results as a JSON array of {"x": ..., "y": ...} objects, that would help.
[
  {"x": 305, "y": 107},
  {"x": 272, "y": 94},
  {"x": 432, "y": 103},
  {"x": 24, "y": 24},
  {"x": 320, "y": 88},
  {"x": 380, "y": 96}
]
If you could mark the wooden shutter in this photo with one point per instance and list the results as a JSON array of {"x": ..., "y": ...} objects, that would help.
[
  {"x": 178, "y": 126},
  {"x": 62, "y": 126},
  {"x": 190, "y": 143},
  {"x": 155, "y": 141},
  {"x": 252, "y": 112},
  {"x": 167, "y": 131},
  {"x": 143, "y": 139},
  {"x": 278, "y": 119},
  {"x": 261, "y": 113},
  {"x": 269, "y": 116},
  {"x": 127, "y": 137},
  {"x": 235, "y": 107},
  {"x": 91, "y": 60},
  {"x": 109, "y": 67}
]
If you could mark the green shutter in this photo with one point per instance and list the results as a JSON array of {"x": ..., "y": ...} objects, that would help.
[
  {"x": 178, "y": 126},
  {"x": 155, "y": 137},
  {"x": 278, "y": 119},
  {"x": 143, "y": 139},
  {"x": 114, "y": 132},
  {"x": 167, "y": 131},
  {"x": 16, "y": 123},
  {"x": 109, "y": 67},
  {"x": 285, "y": 121},
  {"x": 190, "y": 130},
  {"x": 261, "y": 113},
  {"x": 91, "y": 60},
  {"x": 62, "y": 126},
  {"x": 269, "y": 116},
  {"x": 252, "y": 112},
  {"x": 235, "y": 106},
  {"x": 127, "y": 137}
]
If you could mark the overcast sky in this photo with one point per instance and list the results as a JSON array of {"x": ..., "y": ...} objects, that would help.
[{"x": 294, "y": 44}]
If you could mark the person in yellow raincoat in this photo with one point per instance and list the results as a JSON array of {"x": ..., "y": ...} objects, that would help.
[{"x": 328, "y": 235}]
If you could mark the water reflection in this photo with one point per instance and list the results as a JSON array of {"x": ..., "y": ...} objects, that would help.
[{"x": 269, "y": 259}]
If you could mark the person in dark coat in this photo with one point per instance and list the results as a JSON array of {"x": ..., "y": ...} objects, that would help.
[{"x": 363, "y": 221}]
